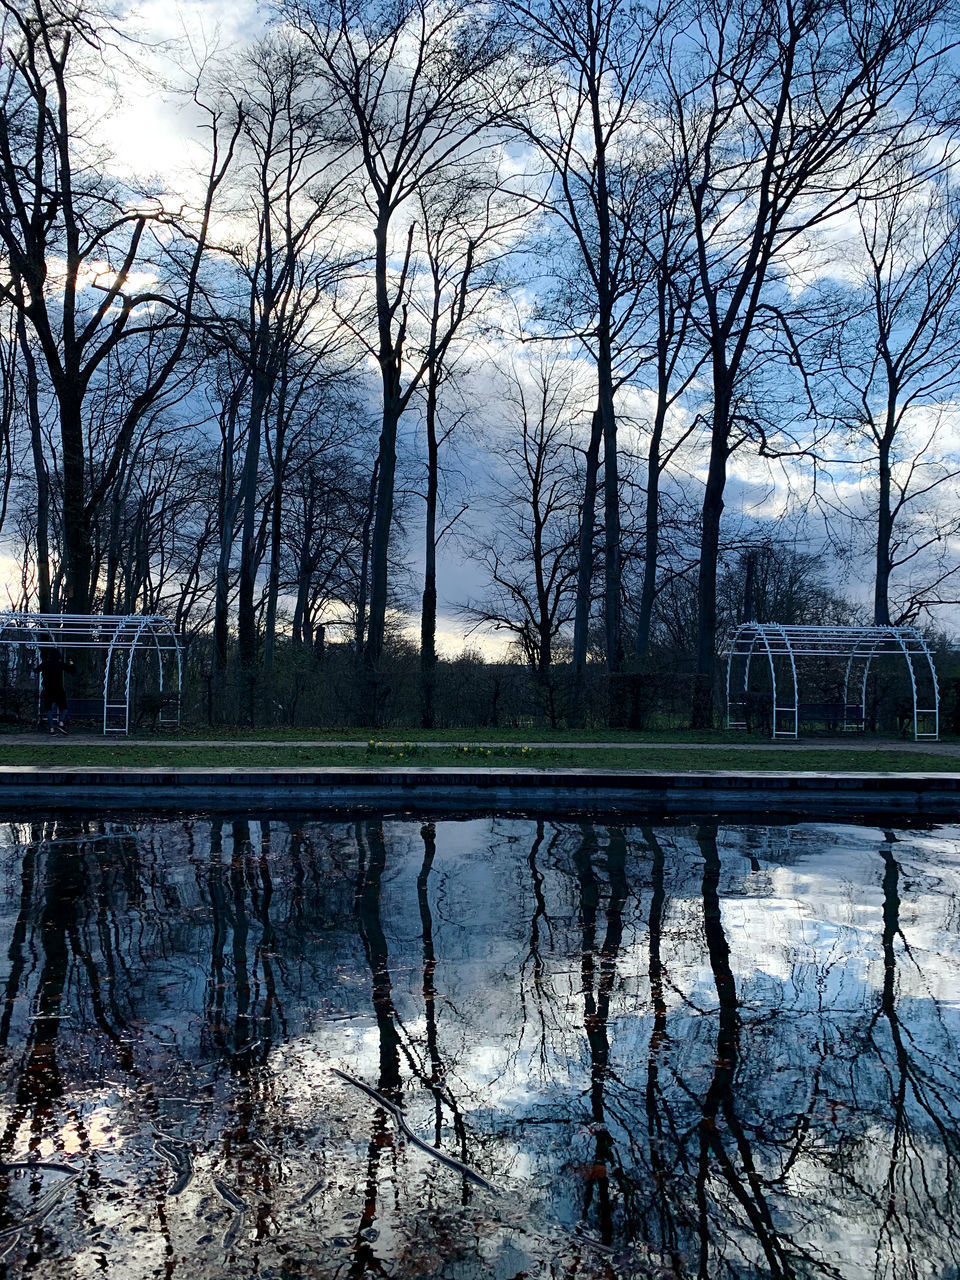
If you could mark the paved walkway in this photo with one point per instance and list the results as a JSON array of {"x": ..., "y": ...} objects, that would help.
[{"x": 850, "y": 744}]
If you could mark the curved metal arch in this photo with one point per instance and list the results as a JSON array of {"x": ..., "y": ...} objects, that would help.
[
  {"x": 14, "y": 621},
  {"x": 119, "y": 642},
  {"x": 795, "y": 709},
  {"x": 126, "y": 638},
  {"x": 867, "y": 657},
  {"x": 747, "y": 656},
  {"x": 773, "y": 684},
  {"x": 170, "y": 633},
  {"x": 758, "y": 634},
  {"x": 913, "y": 679},
  {"x": 111, "y": 635},
  {"x": 30, "y": 625},
  {"x": 855, "y": 644},
  {"x": 935, "y": 709},
  {"x": 922, "y": 650}
]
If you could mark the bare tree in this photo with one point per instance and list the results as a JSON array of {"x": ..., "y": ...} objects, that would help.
[
  {"x": 528, "y": 553},
  {"x": 465, "y": 226},
  {"x": 406, "y": 85},
  {"x": 782, "y": 116},
  {"x": 584, "y": 114},
  {"x": 898, "y": 362},
  {"x": 664, "y": 238},
  {"x": 75, "y": 242},
  {"x": 281, "y": 333},
  {"x": 323, "y": 536}
]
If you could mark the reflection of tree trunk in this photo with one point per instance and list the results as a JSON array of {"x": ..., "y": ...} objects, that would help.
[
  {"x": 913, "y": 1087},
  {"x": 719, "y": 1112},
  {"x": 428, "y": 835},
  {"x": 888, "y": 1006},
  {"x": 365, "y": 1262},
  {"x": 266, "y": 948},
  {"x": 40, "y": 1081},
  {"x": 216, "y": 987},
  {"x": 373, "y": 860},
  {"x": 241, "y": 928},
  {"x": 597, "y": 985},
  {"x": 61, "y": 938},
  {"x": 533, "y": 956},
  {"x": 437, "y": 1080},
  {"x": 16, "y": 953},
  {"x": 658, "y": 1036}
]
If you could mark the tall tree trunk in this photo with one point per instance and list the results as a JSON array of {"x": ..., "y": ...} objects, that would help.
[
  {"x": 221, "y": 600},
  {"x": 273, "y": 580},
  {"x": 581, "y": 619},
  {"x": 750, "y": 590},
  {"x": 881, "y": 602},
  {"x": 77, "y": 546},
  {"x": 380, "y": 540},
  {"x": 249, "y": 559},
  {"x": 360, "y": 633},
  {"x": 44, "y": 601},
  {"x": 651, "y": 531},
  {"x": 611, "y": 517},
  {"x": 709, "y": 554},
  {"x": 428, "y": 611},
  {"x": 304, "y": 566},
  {"x": 611, "y": 479},
  {"x": 110, "y": 593},
  {"x": 389, "y": 361}
]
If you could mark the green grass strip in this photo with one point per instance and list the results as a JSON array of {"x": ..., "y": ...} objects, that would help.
[{"x": 393, "y": 755}]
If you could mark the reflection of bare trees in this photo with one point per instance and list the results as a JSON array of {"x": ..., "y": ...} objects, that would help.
[
  {"x": 722, "y": 1134},
  {"x": 607, "y": 1033},
  {"x": 661, "y": 1135},
  {"x": 394, "y": 1041},
  {"x": 924, "y": 1099},
  {"x": 598, "y": 976}
]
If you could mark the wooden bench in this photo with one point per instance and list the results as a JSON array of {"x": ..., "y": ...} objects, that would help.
[
  {"x": 90, "y": 711},
  {"x": 832, "y": 715}
]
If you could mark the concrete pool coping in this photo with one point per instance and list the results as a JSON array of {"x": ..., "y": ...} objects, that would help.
[{"x": 86, "y": 789}]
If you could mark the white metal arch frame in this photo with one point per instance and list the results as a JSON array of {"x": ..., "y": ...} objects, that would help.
[
  {"x": 120, "y": 637},
  {"x": 856, "y": 644}
]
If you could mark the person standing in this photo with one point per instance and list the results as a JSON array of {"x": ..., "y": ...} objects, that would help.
[{"x": 53, "y": 695}]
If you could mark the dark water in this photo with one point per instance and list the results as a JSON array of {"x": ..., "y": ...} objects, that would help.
[{"x": 681, "y": 1051}]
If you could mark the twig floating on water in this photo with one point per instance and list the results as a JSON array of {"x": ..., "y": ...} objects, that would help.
[{"x": 450, "y": 1161}]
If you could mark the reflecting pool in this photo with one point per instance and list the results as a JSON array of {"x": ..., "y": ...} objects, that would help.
[{"x": 496, "y": 1047}]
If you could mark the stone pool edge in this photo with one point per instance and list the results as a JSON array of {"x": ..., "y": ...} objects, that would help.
[{"x": 810, "y": 794}]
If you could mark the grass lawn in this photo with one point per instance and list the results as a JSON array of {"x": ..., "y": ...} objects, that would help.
[
  {"x": 393, "y": 755},
  {"x": 505, "y": 735}
]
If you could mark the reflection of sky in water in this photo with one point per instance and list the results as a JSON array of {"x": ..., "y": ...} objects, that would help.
[{"x": 716, "y": 1052}]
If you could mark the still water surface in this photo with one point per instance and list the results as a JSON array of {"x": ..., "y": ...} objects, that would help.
[{"x": 685, "y": 1051}]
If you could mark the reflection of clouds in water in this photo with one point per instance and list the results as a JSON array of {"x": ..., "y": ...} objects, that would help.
[{"x": 231, "y": 959}]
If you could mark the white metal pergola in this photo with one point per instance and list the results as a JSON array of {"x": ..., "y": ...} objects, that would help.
[
  {"x": 783, "y": 646},
  {"x": 120, "y": 637}
]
